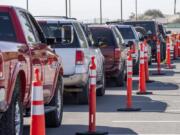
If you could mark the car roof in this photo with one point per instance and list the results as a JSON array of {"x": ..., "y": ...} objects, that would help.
[
  {"x": 141, "y": 21},
  {"x": 124, "y": 26},
  {"x": 55, "y": 19},
  {"x": 101, "y": 26}
]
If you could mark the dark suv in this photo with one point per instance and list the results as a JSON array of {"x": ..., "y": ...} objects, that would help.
[
  {"x": 112, "y": 45},
  {"x": 152, "y": 33}
]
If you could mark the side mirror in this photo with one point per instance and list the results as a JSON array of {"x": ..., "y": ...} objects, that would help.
[
  {"x": 50, "y": 41},
  {"x": 168, "y": 32},
  {"x": 67, "y": 35},
  {"x": 130, "y": 43}
]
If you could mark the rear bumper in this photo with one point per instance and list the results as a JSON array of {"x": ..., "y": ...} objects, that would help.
[{"x": 77, "y": 80}]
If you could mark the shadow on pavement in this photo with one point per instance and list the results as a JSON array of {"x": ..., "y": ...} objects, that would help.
[
  {"x": 110, "y": 103},
  {"x": 73, "y": 129}
]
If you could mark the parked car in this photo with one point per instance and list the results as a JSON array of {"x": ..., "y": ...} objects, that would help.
[
  {"x": 23, "y": 47},
  {"x": 152, "y": 32},
  {"x": 143, "y": 35},
  {"x": 129, "y": 33},
  {"x": 76, "y": 55},
  {"x": 112, "y": 45}
]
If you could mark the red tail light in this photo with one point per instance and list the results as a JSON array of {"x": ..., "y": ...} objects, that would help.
[
  {"x": 117, "y": 54},
  {"x": 79, "y": 57},
  {"x": 133, "y": 48}
]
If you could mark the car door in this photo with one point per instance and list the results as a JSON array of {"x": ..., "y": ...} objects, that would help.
[{"x": 37, "y": 49}]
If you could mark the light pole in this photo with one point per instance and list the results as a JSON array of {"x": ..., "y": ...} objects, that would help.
[
  {"x": 66, "y": 10},
  {"x": 174, "y": 6},
  {"x": 27, "y": 5},
  {"x": 121, "y": 10},
  {"x": 136, "y": 4},
  {"x": 69, "y": 8},
  {"x": 100, "y": 11}
]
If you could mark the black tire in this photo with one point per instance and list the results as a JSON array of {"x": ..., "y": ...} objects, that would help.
[
  {"x": 101, "y": 91},
  {"x": 14, "y": 114},
  {"x": 54, "y": 118},
  {"x": 120, "y": 79},
  {"x": 83, "y": 97}
]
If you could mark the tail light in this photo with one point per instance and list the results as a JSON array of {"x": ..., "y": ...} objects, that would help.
[
  {"x": 117, "y": 54},
  {"x": 1, "y": 66},
  {"x": 79, "y": 57},
  {"x": 133, "y": 48}
]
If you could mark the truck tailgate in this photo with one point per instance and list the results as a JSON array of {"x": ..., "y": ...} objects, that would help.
[{"x": 68, "y": 56}]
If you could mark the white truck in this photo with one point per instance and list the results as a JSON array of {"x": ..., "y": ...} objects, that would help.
[{"x": 75, "y": 51}]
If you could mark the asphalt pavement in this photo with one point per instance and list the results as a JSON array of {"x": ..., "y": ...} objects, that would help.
[{"x": 160, "y": 112}]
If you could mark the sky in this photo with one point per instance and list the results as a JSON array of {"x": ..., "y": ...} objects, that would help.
[{"x": 89, "y": 9}]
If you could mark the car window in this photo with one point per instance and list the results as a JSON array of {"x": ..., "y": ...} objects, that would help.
[
  {"x": 149, "y": 26},
  {"x": 103, "y": 34},
  {"x": 54, "y": 29},
  {"x": 118, "y": 36},
  {"x": 30, "y": 37},
  {"x": 126, "y": 33},
  {"x": 81, "y": 35},
  {"x": 7, "y": 32}
]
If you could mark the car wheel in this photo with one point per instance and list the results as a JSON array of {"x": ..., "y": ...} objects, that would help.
[
  {"x": 54, "y": 118},
  {"x": 83, "y": 97},
  {"x": 120, "y": 79},
  {"x": 101, "y": 91},
  {"x": 12, "y": 121}
]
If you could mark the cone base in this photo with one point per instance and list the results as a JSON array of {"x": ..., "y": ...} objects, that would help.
[
  {"x": 129, "y": 109},
  {"x": 144, "y": 93},
  {"x": 155, "y": 74},
  {"x": 150, "y": 81},
  {"x": 93, "y": 133}
]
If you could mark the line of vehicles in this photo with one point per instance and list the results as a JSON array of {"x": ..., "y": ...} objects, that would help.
[{"x": 61, "y": 48}]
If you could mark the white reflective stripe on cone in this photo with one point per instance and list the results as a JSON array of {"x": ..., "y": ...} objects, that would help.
[
  {"x": 37, "y": 110},
  {"x": 141, "y": 54},
  {"x": 92, "y": 81},
  {"x": 141, "y": 61},
  {"x": 37, "y": 93},
  {"x": 129, "y": 69},
  {"x": 93, "y": 73},
  {"x": 129, "y": 63}
]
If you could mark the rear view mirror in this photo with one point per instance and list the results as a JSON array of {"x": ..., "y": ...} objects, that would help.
[{"x": 67, "y": 35}]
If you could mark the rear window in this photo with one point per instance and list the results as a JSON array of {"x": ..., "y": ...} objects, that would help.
[
  {"x": 103, "y": 34},
  {"x": 7, "y": 32},
  {"x": 149, "y": 26},
  {"x": 54, "y": 30},
  {"x": 126, "y": 33}
]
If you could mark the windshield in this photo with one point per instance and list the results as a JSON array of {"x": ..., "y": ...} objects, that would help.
[
  {"x": 148, "y": 26},
  {"x": 127, "y": 33},
  {"x": 7, "y": 32},
  {"x": 103, "y": 34}
]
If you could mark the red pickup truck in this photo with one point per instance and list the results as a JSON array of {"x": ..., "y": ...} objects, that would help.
[{"x": 23, "y": 47}]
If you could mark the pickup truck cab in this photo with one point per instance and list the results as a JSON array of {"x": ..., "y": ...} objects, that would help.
[
  {"x": 114, "y": 50},
  {"x": 23, "y": 48},
  {"x": 75, "y": 53}
]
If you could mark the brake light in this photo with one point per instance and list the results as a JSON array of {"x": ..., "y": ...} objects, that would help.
[
  {"x": 79, "y": 57},
  {"x": 1, "y": 66},
  {"x": 117, "y": 54}
]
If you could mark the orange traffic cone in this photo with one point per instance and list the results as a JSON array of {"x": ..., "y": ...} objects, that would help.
[
  {"x": 142, "y": 79},
  {"x": 168, "y": 54},
  {"x": 146, "y": 64},
  {"x": 158, "y": 59},
  {"x": 129, "y": 86},
  {"x": 37, "y": 107}
]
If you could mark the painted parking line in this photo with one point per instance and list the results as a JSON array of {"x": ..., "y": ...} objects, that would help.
[{"x": 145, "y": 121}]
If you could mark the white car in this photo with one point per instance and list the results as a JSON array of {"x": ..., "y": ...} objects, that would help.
[{"x": 73, "y": 47}]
